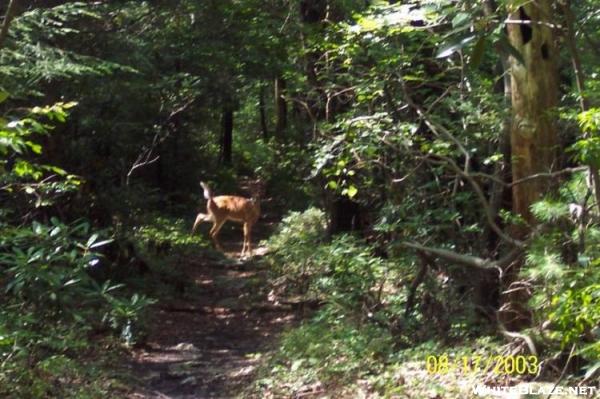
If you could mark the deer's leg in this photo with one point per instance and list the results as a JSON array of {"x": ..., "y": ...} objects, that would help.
[
  {"x": 214, "y": 231},
  {"x": 247, "y": 238},
  {"x": 202, "y": 217}
]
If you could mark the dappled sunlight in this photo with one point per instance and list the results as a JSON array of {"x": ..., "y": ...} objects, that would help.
[{"x": 208, "y": 344}]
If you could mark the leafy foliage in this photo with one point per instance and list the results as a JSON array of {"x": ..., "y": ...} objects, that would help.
[
  {"x": 562, "y": 263},
  {"x": 362, "y": 321},
  {"x": 396, "y": 109},
  {"x": 46, "y": 279},
  {"x": 47, "y": 275}
]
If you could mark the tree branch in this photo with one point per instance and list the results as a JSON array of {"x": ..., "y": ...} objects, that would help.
[
  {"x": 144, "y": 158},
  {"x": 468, "y": 260},
  {"x": 540, "y": 175},
  {"x": 484, "y": 202},
  {"x": 465, "y": 260},
  {"x": 425, "y": 263},
  {"x": 10, "y": 14},
  {"x": 436, "y": 129},
  {"x": 515, "y": 335}
]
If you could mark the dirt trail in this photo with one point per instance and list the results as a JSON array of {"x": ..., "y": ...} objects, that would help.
[{"x": 208, "y": 345}]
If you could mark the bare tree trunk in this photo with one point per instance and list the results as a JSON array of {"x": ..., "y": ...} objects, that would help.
[
  {"x": 281, "y": 107},
  {"x": 533, "y": 133},
  {"x": 226, "y": 134},
  {"x": 263, "y": 113},
  {"x": 8, "y": 17},
  {"x": 534, "y": 138}
]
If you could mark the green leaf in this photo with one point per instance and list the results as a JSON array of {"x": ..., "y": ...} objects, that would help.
[
  {"x": 71, "y": 282},
  {"x": 92, "y": 240},
  {"x": 296, "y": 365},
  {"x": 352, "y": 191},
  {"x": 451, "y": 48},
  {"x": 3, "y": 96},
  {"x": 460, "y": 19},
  {"x": 24, "y": 168},
  {"x": 55, "y": 231},
  {"x": 477, "y": 54},
  {"x": 36, "y": 148},
  {"x": 369, "y": 24},
  {"x": 101, "y": 243}
]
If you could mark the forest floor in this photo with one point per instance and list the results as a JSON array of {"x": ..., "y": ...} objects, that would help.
[
  {"x": 209, "y": 342},
  {"x": 211, "y": 339}
]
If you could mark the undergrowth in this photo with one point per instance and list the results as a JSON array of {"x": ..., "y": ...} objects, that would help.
[
  {"x": 364, "y": 331},
  {"x": 56, "y": 315},
  {"x": 360, "y": 333}
]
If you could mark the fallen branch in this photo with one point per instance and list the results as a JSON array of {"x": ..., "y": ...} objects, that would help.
[
  {"x": 515, "y": 335},
  {"x": 465, "y": 260},
  {"x": 468, "y": 260}
]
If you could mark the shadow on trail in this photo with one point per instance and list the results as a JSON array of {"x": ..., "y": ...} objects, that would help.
[{"x": 208, "y": 344}]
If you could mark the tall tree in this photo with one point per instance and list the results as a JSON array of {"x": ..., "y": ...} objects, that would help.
[
  {"x": 533, "y": 132},
  {"x": 262, "y": 112},
  {"x": 281, "y": 107},
  {"x": 226, "y": 134},
  {"x": 534, "y": 135}
]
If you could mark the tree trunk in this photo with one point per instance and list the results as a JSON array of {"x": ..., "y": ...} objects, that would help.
[
  {"x": 534, "y": 138},
  {"x": 263, "y": 113},
  {"x": 226, "y": 134},
  {"x": 281, "y": 107},
  {"x": 533, "y": 134}
]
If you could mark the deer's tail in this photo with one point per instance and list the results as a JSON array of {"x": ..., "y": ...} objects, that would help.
[{"x": 207, "y": 192}]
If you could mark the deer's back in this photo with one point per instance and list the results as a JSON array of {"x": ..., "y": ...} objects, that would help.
[{"x": 235, "y": 208}]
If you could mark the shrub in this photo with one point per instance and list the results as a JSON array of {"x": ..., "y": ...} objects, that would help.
[{"x": 51, "y": 305}]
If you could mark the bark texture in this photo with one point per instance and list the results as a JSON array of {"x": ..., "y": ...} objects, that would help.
[
  {"x": 533, "y": 134},
  {"x": 534, "y": 83}
]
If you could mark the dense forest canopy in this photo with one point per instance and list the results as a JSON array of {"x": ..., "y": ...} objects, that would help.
[{"x": 426, "y": 174}]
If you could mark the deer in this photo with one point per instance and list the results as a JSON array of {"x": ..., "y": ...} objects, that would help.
[{"x": 229, "y": 207}]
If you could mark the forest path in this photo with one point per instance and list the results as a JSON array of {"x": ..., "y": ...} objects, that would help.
[{"x": 208, "y": 343}]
